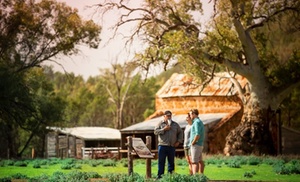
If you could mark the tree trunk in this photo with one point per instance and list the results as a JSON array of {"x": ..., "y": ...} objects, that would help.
[{"x": 256, "y": 134}]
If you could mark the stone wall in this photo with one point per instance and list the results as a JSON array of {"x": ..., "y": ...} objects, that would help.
[{"x": 217, "y": 134}]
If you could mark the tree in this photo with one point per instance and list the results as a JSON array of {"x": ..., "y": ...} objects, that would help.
[
  {"x": 141, "y": 102},
  {"x": 117, "y": 83},
  {"x": 257, "y": 39},
  {"x": 31, "y": 34}
]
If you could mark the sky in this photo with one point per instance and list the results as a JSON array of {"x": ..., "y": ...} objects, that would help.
[{"x": 89, "y": 61}]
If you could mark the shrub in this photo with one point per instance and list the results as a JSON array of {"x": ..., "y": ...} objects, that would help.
[
  {"x": 5, "y": 179},
  {"x": 42, "y": 177},
  {"x": 109, "y": 162},
  {"x": 77, "y": 166},
  {"x": 269, "y": 160},
  {"x": 57, "y": 177},
  {"x": 252, "y": 160},
  {"x": 280, "y": 168},
  {"x": 181, "y": 162},
  {"x": 20, "y": 164},
  {"x": 19, "y": 176},
  {"x": 124, "y": 177},
  {"x": 77, "y": 176},
  {"x": 36, "y": 165},
  {"x": 66, "y": 166},
  {"x": 179, "y": 178},
  {"x": 9, "y": 162},
  {"x": 248, "y": 175},
  {"x": 234, "y": 164},
  {"x": 212, "y": 161},
  {"x": 2, "y": 163},
  {"x": 94, "y": 175},
  {"x": 294, "y": 167}
]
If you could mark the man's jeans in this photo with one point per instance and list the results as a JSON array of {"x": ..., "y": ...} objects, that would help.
[{"x": 163, "y": 153}]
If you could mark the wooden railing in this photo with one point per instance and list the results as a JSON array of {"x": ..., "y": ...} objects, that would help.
[{"x": 100, "y": 152}]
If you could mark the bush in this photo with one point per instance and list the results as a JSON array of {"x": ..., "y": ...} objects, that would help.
[
  {"x": 94, "y": 163},
  {"x": 36, "y": 165},
  {"x": 252, "y": 160},
  {"x": 20, "y": 164},
  {"x": 109, "y": 162},
  {"x": 5, "y": 179},
  {"x": 19, "y": 176},
  {"x": 94, "y": 175},
  {"x": 9, "y": 162},
  {"x": 66, "y": 166},
  {"x": 124, "y": 177},
  {"x": 42, "y": 177},
  {"x": 2, "y": 163},
  {"x": 77, "y": 166},
  {"x": 234, "y": 164},
  {"x": 179, "y": 178},
  {"x": 248, "y": 175},
  {"x": 280, "y": 168}
]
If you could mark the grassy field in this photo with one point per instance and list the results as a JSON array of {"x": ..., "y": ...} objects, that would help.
[{"x": 217, "y": 168}]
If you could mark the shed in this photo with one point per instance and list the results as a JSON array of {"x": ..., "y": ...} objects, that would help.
[
  {"x": 146, "y": 128},
  {"x": 70, "y": 142}
]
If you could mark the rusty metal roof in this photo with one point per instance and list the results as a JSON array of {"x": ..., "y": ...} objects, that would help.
[
  {"x": 207, "y": 119},
  {"x": 90, "y": 133},
  {"x": 184, "y": 85}
]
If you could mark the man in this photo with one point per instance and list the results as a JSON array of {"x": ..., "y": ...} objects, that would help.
[
  {"x": 196, "y": 142},
  {"x": 170, "y": 135}
]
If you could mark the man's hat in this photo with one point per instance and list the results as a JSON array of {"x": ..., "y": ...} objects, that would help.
[{"x": 169, "y": 113}]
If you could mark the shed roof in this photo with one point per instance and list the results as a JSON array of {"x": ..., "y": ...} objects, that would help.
[
  {"x": 180, "y": 119},
  {"x": 91, "y": 133},
  {"x": 185, "y": 85}
]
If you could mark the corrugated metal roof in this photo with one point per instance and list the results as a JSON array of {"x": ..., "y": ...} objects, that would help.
[
  {"x": 180, "y": 119},
  {"x": 184, "y": 85},
  {"x": 91, "y": 133}
]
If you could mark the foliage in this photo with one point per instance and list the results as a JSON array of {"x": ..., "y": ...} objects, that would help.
[
  {"x": 124, "y": 177},
  {"x": 290, "y": 117},
  {"x": 32, "y": 33},
  {"x": 290, "y": 165},
  {"x": 109, "y": 162},
  {"x": 94, "y": 102},
  {"x": 19, "y": 176},
  {"x": 249, "y": 38},
  {"x": 36, "y": 165},
  {"x": 20, "y": 163}
]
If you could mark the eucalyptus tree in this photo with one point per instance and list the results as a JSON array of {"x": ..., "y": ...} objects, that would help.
[
  {"x": 141, "y": 102},
  {"x": 258, "y": 39},
  {"x": 33, "y": 32},
  {"x": 117, "y": 82}
]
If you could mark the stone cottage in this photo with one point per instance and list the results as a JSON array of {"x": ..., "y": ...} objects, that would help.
[{"x": 219, "y": 106}]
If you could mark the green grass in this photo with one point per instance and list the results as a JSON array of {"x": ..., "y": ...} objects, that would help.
[{"x": 217, "y": 168}]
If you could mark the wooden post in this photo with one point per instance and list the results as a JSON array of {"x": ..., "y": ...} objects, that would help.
[
  {"x": 68, "y": 146},
  {"x": 75, "y": 147},
  {"x": 8, "y": 153},
  {"x": 57, "y": 152},
  {"x": 129, "y": 156},
  {"x": 148, "y": 160},
  {"x": 279, "y": 137},
  {"x": 32, "y": 153}
]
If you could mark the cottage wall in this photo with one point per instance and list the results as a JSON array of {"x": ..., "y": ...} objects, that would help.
[
  {"x": 205, "y": 104},
  {"x": 216, "y": 137}
]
